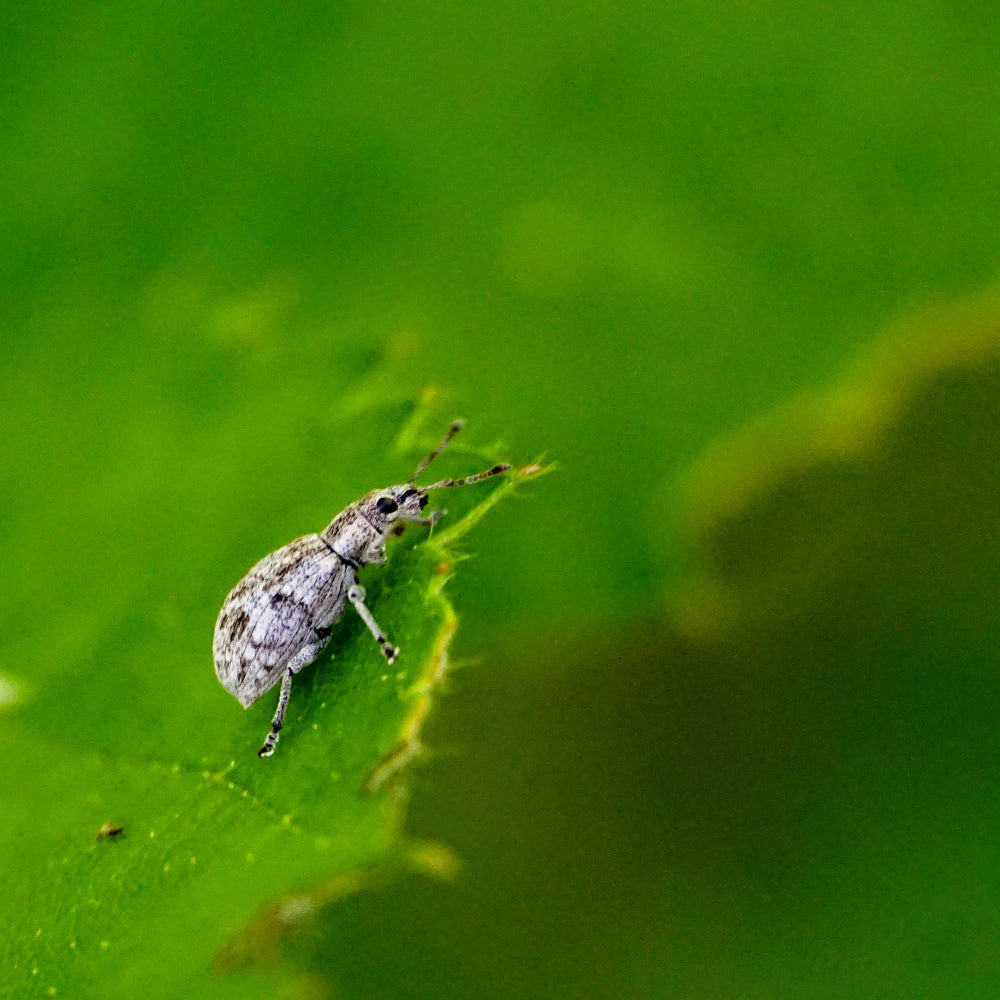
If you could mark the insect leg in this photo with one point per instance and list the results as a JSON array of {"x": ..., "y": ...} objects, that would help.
[
  {"x": 279, "y": 716},
  {"x": 356, "y": 595}
]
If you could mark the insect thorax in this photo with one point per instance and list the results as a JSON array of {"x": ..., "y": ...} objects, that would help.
[{"x": 353, "y": 536}]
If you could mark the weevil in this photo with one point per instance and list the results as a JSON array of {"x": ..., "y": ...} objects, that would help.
[{"x": 280, "y": 616}]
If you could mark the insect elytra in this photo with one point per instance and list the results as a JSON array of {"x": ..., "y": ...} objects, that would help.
[{"x": 280, "y": 616}]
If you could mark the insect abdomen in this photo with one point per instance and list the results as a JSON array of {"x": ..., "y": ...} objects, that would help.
[{"x": 272, "y": 615}]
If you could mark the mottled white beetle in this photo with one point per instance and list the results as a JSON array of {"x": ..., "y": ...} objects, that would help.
[{"x": 279, "y": 617}]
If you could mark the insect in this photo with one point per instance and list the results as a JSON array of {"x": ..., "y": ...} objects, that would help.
[{"x": 279, "y": 617}]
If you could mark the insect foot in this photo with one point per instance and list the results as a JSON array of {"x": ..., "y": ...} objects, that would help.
[{"x": 280, "y": 616}]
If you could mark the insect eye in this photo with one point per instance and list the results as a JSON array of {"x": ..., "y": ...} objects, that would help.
[{"x": 386, "y": 505}]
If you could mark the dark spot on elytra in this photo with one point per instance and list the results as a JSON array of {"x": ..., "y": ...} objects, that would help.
[
  {"x": 289, "y": 567},
  {"x": 237, "y": 623}
]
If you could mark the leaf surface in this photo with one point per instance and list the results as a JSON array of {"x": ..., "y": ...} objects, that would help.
[{"x": 219, "y": 852}]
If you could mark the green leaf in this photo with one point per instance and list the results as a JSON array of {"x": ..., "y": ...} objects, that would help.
[{"x": 219, "y": 852}]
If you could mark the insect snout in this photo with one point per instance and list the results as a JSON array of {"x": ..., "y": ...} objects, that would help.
[{"x": 421, "y": 497}]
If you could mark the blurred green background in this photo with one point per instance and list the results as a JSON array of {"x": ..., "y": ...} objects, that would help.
[{"x": 240, "y": 242}]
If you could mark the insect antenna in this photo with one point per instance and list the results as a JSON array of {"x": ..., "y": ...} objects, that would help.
[
  {"x": 478, "y": 477},
  {"x": 453, "y": 429},
  {"x": 456, "y": 426}
]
